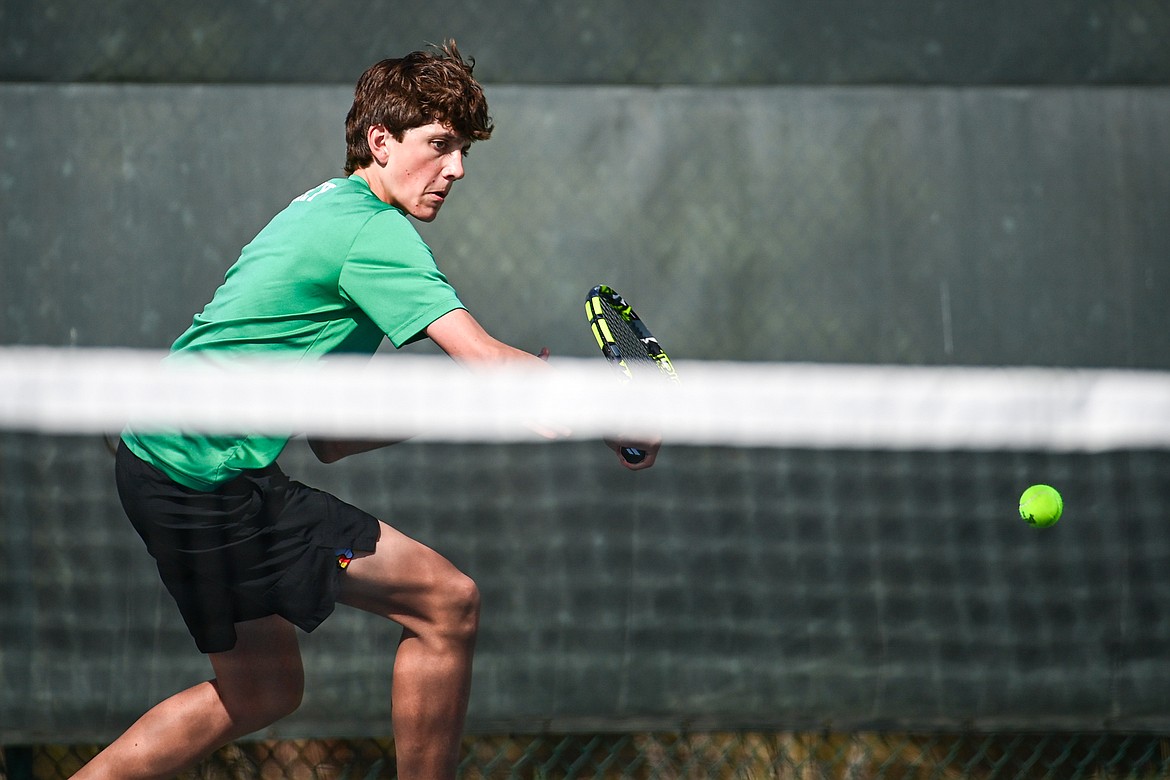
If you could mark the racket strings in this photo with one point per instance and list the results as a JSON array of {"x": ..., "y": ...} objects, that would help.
[{"x": 634, "y": 350}]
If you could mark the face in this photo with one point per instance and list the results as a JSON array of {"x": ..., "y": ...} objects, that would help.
[{"x": 416, "y": 174}]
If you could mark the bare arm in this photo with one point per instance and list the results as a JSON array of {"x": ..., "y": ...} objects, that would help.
[
  {"x": 333, "y": 450},
  {"x": 459, "y": 335}
]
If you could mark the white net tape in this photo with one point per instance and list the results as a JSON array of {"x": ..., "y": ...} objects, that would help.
[{"x": 62, "y": 391}]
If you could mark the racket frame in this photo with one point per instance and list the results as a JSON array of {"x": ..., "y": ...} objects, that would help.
[{"x": 595, "y": 304}]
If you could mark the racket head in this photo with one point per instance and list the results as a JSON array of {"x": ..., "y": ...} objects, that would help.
[
  {"x": 627, "y": 344},
  {"x": 624, "y": 338}
]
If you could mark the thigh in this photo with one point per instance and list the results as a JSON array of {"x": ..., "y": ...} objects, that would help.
[{"x": 402, "y": 579}]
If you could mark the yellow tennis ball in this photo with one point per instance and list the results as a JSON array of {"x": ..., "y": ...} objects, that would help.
[{"x": 1041, "y": 506}]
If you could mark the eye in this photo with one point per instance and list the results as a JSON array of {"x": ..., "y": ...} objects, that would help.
[{"x": 444, "y": 146}]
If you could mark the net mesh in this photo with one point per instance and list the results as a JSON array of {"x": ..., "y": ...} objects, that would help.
[
  {"x": 819, "y": 549},
  {"x": 734, "y": 404}
]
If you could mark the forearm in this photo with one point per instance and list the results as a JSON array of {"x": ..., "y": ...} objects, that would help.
[
  {"x": 460, "y": 336},
  {"x": 333, "y": 450}
]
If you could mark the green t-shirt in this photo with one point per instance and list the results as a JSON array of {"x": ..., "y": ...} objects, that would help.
[{"x": 336, "y": 271}]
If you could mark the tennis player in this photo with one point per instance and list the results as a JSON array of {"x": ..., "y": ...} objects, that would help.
[{"x": 250, "y": 555}]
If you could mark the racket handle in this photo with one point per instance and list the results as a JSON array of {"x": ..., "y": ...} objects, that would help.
[{"x": 633, "y": 455}]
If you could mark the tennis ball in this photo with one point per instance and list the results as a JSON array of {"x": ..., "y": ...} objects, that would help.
[{"x": 1041, "y": 506}]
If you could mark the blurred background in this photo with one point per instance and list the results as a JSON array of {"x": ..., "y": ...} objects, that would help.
[
  {"x": 920, "y": 183},
  {"x": 928, "y": 182}
]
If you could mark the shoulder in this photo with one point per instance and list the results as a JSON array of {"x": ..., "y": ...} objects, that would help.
[{"x": 388, "y": 231}]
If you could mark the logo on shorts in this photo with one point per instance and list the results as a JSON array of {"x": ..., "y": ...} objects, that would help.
[{"x": 343, "y": 558}]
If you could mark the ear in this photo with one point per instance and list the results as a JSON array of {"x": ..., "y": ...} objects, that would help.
[{"x": 379, "y": 140}]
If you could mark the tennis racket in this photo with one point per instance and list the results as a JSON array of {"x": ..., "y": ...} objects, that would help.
[{"x": 627, "y": 344}]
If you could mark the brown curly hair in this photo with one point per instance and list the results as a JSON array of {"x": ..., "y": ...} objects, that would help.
[{"x": 412, "y": 91}]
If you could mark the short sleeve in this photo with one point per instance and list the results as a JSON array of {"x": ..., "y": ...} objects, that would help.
[{"x": 391, "y": 275}]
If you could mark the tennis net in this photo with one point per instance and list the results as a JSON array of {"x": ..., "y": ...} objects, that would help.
[
  {"x": 733, "y": 404},
  {"x": 818, "y": 547}
]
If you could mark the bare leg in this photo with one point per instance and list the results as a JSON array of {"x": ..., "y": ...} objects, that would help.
[
  {"x": 257, "y": 682},
  {"x": 438, "y": 608}
]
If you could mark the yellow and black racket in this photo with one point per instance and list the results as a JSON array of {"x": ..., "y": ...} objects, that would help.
[{"x": 627, "y": 343}]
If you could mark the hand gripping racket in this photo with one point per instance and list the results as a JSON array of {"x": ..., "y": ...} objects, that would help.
[{"x": 627, "y": 344}]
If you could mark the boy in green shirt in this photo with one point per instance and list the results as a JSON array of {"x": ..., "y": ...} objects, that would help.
[{"x": 250, "y": 555}]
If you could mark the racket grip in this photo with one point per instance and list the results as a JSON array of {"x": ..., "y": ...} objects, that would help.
[{"x": 633, "y": 455}]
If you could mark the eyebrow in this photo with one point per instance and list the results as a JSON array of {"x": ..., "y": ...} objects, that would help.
[{"x": 449, "y": 135}]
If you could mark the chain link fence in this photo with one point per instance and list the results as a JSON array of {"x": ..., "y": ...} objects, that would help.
[{"x": 676, "y": 755}]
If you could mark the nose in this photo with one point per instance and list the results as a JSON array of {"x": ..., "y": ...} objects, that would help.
[{"x": 454, "y": 169}]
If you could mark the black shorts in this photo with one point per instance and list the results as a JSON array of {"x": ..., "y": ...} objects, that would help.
[{"x": 260, "y": 544}]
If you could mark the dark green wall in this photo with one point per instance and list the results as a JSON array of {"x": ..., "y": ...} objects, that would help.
[
  {"x": 1002, "y": 42},
  {"x": 939, "y": 183},
  {"x": 976, "y": 226}
]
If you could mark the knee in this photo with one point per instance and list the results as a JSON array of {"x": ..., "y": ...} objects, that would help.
[
  {"x": 461, "y": 608},
  {"x": 275, "y": 703},
  {"x": 283, "y": 699}
]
